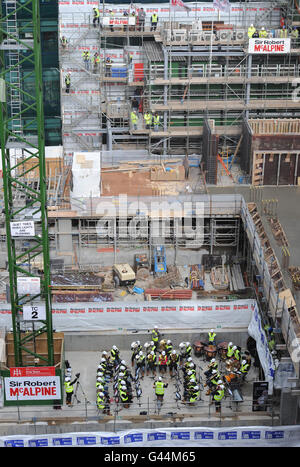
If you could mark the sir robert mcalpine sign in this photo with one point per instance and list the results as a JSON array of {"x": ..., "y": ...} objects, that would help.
[
  {"x": 32, "y": 384},
  {"x": 269, "y": 46}
]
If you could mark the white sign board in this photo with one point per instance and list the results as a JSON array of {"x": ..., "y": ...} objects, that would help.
[
  {"x": 32, "y": 388},
  {"x": 28, "y": 285},
  {"x": 269, "y": 46},
  {"x": 34, "y": 312},
  {"x": 22, "y": 229}
]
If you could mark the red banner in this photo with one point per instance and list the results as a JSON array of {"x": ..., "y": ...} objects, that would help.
[{"x": 32, "y": 371}]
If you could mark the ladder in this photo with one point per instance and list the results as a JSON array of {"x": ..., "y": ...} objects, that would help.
[
  {"x": 261, "y": 17},
  {"x": 13, "y": 55}
]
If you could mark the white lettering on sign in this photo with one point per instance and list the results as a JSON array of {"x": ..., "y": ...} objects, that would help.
[
  {"x": 35, "y": 388},
  {"x": 22, "y": 229}
]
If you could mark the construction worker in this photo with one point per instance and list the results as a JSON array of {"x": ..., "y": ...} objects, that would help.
[
  {"x": 141, "y": 19},
  {"x": 188, "y": 350},
  {"x": 295, "y": 33},
  {"x": 218, "y": 395},
  {"x": 212, "y": 337},
  {"x": 108, "y": 63},
  {"x": 151, "y": 362},
  {"x": 230, "y": 350},
  {"x": 134, "y": 119},
  {"x": 69, "y": 388},
  {"x": 168, "y": 348},
  {"x": 63, "y": 41},
  {"x": 194, "y": 394},
  {"x": 96, "y": 18},
  {"x": 244, "y": 368},
  {"x": 156, "y": 119},
  {"x": 141, "y": 362},
  {"x": 111, "y": 21},
  {"x": 212, "y": 381},
  {"x": 96, "y": 61},
  {"x": 124, "y": 396},
  {"x": 148, "y": 121},
  {"x": 251, "y": 31},
  {"x": 213, "y": 365},
  {"x": 283, "y": 32},
  {"x": 263, "y": 33},
  {"x": 86, "y": 58},
  {"x": 173, "y": 362},
  {"x": 68, "y": 82},
  {"x": 155, "y": 336},
  {"x": 186, "y": 166},
  {"x": 160, "y": 388},
  {"x": 154, "y": 21},
  {"x": 100, "y": 401},
  {"x": 162, "y": 362},
  {"x": 237, "y": 353},
  {"x": 115, "y": 355}
]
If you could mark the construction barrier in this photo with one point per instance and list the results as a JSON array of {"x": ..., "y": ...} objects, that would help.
[{"x": 248, "y": 436}]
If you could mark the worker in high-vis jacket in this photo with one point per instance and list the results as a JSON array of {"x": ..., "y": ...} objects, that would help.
[
  {"x": 230, "y": 350},
  {"x": 156, "y": 120},
  {"x": 96, "y": 16},
  {"x": 263, "y": 33},
  {"x": 218, "y": 395},
  {"x": 134, "y": 119},
  {"x": 68, "y": 82},
  {"x": 194, "y": 395},
  {"x": 154, "y": 21},
  {"x": 69, "y": 388},
  {"x": 251, "y": 31},
  {"x": 160, "y": 386},
  {"x": 212, "y": 337},
  {"x": 244, "y": 368},
  {"x": 148, "y": 121}
]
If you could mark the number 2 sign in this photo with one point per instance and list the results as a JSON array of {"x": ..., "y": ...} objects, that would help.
[{"x": 34, "y": 312}]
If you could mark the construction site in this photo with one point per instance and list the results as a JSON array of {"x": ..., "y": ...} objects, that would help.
[{"x": 150, "y": 189}]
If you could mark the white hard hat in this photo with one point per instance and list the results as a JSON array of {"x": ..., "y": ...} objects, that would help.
[
  {"x": 189, "y": 359},
  {"x": 230, "y": 343},
  {"x": 160, "y": 378},
  {"x": 151, "y": 343},
  {"x": 67, "y": 379},
  {"x": 152, "y": 353},
  {"x": 190, "y": 372},
  {"x": 99, "y": 379},
  {"x": 243, "y": 362},
  {"x": 196, "y": 387},
  {"x": 220, "y": 381},
  {"x": 146, "y": 344},
  {"x": 192, "y": 365},
  {"x": 213, "y": 360},
  {"x": 187, "y": 343},
  {"x": 104, "y": 352},
  {"x": 101, "y": 394},
  {"x": 121, "y": 374},
  {"x": 124, "y": 388},
  {"x": 99, "y": 373},
  {"x": 103, "y": 360},
  {"x": 114, "y": 347},
  {"x": 173, "y": 351},
  {"x": 168, "y": 342},
  {"x": 182, "y": 344},
  {"x": 234, "y": 347},
  {"x": 222, "y": 386},
  {"x": 122, "y": 367},
  {"x": 251, "y": 25},
  {"x": 163, "y": 352},
  {"x": 133, "y": 345},
  {"x": 137, "y": 356},
  {"x": 155, "y": 327},
  {"x": 214, "y": 371},
  {"x": 140, "y": 353},
  {"x": 212, "y": 330},
  {"x": 123, "y": 362},
  {"x": 123, "y": 382}
]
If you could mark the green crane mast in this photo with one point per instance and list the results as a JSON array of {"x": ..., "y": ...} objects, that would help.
[{"x": 25, "y": 204}]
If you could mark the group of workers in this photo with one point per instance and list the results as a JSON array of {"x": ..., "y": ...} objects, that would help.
[
  {"x": 159, "y": 359},
  {"x": 140, "y": 18},
  {"x": 262, "y": 33},
  {"x": 151, "y": 121}
]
